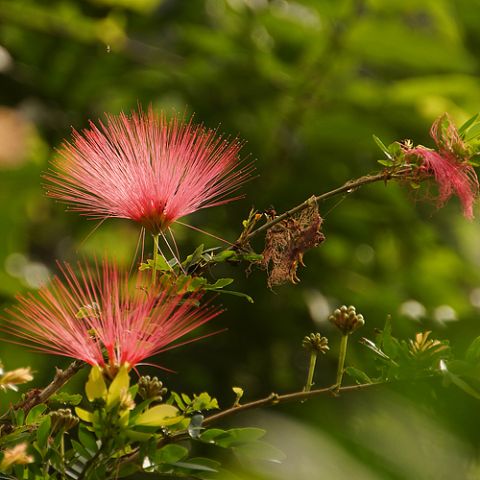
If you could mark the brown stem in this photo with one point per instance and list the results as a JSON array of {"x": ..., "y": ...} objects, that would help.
[
  {"x": 275, "y": 399},
  {"x": 347, "y": 187},
  {"x": 272, "y": 399},
  {"x": 61, "y": 378}
]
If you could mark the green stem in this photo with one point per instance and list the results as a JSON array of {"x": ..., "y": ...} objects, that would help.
[
  {"x": 155, "y": 257},
  {"x": 311, "y": 371},
  {"x": 341, "y": 359}
]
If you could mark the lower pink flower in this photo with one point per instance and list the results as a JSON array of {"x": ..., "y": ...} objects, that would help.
[{"x": 97, "y": 316}]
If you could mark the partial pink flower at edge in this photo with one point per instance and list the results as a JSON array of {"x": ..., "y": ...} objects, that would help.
[
  {"x": 146, "y": 168},
  {"x": 453, "y": 174},
  {"x": 97, "y": 317}
]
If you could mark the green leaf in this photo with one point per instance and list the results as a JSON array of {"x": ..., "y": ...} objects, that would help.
[
  {"x": 389, "y": 344},
  {"x": 19, "y": 417},
  {"x": 220, "y": 283},
  {"x": 382, "y": 147},
  {"x": 238, "y": 436},
  {"x": 170, "y": 454},
  {"x": 81, "y": 450},
  {"x": 138, "y": 436},
  {"x": 395, "y": 150},
  {"x": 95, "y": 386},
  {"x": 195, "y": 283},
  {"x": 161, "y": 265},
  {"x": 223, "y": 256},
  {"x": 83, "y": 414},
  {"x": 120, "y": 384},
  {"x": 87, "y": 439},
  {"x": 186, "y": 399},
  {"x": 371, "y": 345},
  {"x": 126, "y": 469},
  {"x": 203, "y": 401},
  {"x": 159, "y": 416},
  {"x": 260, "y": 451},
  {"x": 209, "y": 436},
  {"x": 467, "y": 124},
  {"x": 250, "y": 257},
  {"x": 178, "y": 400},
  {"x": 239, "y": 294},
  {"x": 43, "y": 432},
  {"x": 213, "y": 465},
  {"x": 35, "y": 413},
  {"x": 472, "y": 354},
  {"x": 195, "y": 257},
  {"x": 359, "y": 376},
  {"x": 385, "y": 163},
  {"x": 195, "y": 467},
  {"x": 473, "y": 132},
  {"x": 66, "y": 398},
  {"x": 238, "y": 391},
  {"x": 457, "y": 381}
]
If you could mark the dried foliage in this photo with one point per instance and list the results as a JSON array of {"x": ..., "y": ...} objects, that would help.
[{"x": 287, "y": 241}]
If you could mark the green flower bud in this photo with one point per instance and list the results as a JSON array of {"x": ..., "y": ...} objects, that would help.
[
  {"x": 151, "y": 388},
  {"x": 62, "y": 419},
  {"x": 315, "y": 342},
  {"x": 346, "y": 319}
]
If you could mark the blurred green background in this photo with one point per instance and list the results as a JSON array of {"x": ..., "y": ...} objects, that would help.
[{"x": 306, "y": 84}]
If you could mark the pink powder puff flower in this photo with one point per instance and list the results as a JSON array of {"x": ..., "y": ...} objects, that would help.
[
  {"x": 147, "y": 169},
  {"x": 96, "y": 316},
  {"x": 449, "y": 165}
]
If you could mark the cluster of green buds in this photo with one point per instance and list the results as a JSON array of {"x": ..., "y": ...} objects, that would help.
[
  {"x": 315, "y": 343},
  {"x": 346, "y": 319},
  {"x": 62, "y": 420},
  {"x": 151, "y": 388}
]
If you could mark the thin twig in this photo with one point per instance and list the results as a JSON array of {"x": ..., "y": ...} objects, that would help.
[
  {"x": 60, "y": 379},
  {"x": 347, "y": 187},
  {"x": 272, "y": 399},
  {"x": 275, "y": 399}
]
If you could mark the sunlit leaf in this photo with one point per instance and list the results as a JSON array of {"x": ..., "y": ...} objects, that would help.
[
  {"x": 159, "y": 416},
  {"x": 83, "y": 414},
  {"x": 95, "y": 386},
  {"x": 120, "y": 384}
]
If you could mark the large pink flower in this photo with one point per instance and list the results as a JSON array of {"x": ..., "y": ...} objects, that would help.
[
  {"x": 449, "y": 165},
  {"x": 98, "y": 316},
  {"x": 146, "y": 168}
]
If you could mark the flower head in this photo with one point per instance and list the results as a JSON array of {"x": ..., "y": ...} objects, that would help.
[
  {"x": 96, "y": 316},
  {"x": 16, "y": 455},
  {"x": 10, "y": 380},
  {"x": 146, "y": 168},
  {"x": 449, "y": 164}
]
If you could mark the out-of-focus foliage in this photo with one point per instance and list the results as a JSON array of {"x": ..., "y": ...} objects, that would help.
[{"x": 306, "y": 83}]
